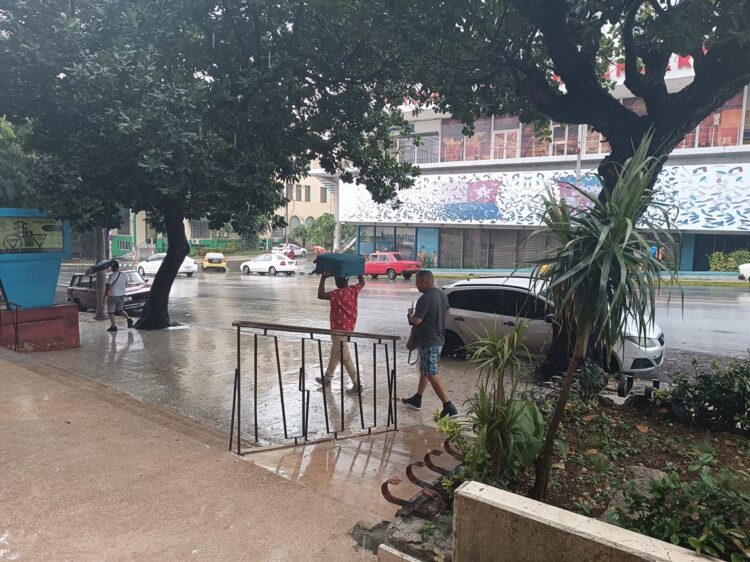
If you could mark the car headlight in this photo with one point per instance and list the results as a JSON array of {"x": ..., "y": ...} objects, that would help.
[{"x": 643, "y": 342}]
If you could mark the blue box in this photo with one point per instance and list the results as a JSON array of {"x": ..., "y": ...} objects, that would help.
[
  {"x": 341, "y": 265},
  {"x": 32, "y": 246}
]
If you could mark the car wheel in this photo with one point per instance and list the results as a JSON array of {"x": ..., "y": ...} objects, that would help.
[
  {"x": 374, "y": 276},
  {"x": 288, "y": 273},
  {"x": 407, "y": 275},
  {"x": 246, "y": 270},
  {"x": 453, "y": 347},
  {"x": 391, "y": 274},
  {"x": 189, "y": 274},
  {"x": 141, "y": 272},
  {"x": 272, "y": 270}
]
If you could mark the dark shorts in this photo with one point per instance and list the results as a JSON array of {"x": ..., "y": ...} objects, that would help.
[
  {"x": 429, "y": 357},
  {"x": 115, "y": 304}
]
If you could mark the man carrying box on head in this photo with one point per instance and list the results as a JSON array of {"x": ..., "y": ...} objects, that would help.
[{"x": 344, "y": 307}]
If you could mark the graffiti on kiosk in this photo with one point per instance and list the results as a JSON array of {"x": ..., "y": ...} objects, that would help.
[
  {"x": 715, "y": 197},
  {"x": 20, "y": 235}
]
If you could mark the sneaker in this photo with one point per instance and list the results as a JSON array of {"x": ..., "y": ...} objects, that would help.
[
  {"x": 448, "y": 410},
  {"x": 112, "y": 329},
  {"x": 325, "y": 381},
  {"x": 130, "y": 323},
  {"x": 415, "y": 402},
  {"x": 355, "y": 389}
]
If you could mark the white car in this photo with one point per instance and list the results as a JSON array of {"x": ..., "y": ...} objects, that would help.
[
  {"x": 478, "y": 306},
  {"x": 152, "y": 264},
  {"x": 744, "y": 271},
  {"x": 269, "y": 263},
  {"x": 287, "y": 249}
]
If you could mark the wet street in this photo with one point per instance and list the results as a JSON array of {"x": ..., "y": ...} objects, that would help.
[{"x": 190, "y": 368}]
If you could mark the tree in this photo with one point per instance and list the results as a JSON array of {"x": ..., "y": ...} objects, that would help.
[
  {"x": 15, "y": 165},
  {"x": 604, "y": 273},
  {"x": 301, "y": 234},
  {"x": 186, "y": 111},
  {"x": 322, "y": 232},
  {"x": 479, "y": 58}
]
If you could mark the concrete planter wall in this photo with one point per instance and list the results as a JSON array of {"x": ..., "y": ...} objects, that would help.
[{"x": 493, "y": 525}]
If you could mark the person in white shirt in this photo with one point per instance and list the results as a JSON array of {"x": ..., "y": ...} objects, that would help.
[{"x": 114, "y": 296}]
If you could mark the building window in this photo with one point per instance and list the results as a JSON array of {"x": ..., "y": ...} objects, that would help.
[
  {"x": 451, "y": 141},
  {"x": 451, "y": 246},
  {"x": 689, "y": 140},
  {"x": 366, "y": 239},
  {"x": 722, "y": 127},
  {"x": 595, "y": 142},
  {"x": 427, "y": 148},
  {"x": 294, "y": 223},
  {"x": 124, "y": 245},
  {"x": 308, "y": 193},
  {"x": 384, "y": 241},
  {"x": 476, "y": 245},
  {"x": 199, "y": 229},
  {"x": 309, "y": 221},
  {"x": 478, "y": 145},
  {"x": 298, "y": 192},
  {"x": 406, "y": 150},
  {"x": 406, "y": 241},
  {"x": 532, "y": 145},
  {"x": 289, "y": 191},
  {"x": 323, "y": 194},
  {"x": 124, "y": 228},
  {"x": 564, "y": 139},
  {"x": 506, "y": 137}
]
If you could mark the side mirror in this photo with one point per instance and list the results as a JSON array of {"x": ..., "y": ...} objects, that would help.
[{"x": 549, "y": 318}]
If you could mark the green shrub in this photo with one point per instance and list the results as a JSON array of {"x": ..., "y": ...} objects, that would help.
[
  {"x": 719, "y": 261},
  {"x": 718, "y": 398},
  {"x": 589, "y": 382},
  {"x": 710, "y": 514}
]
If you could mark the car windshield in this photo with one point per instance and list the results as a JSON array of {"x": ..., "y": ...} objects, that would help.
[
  {"x": 278, "y": 257},
  {"x": 400, "y": 257},
  {"x": 134, "y": 278}
]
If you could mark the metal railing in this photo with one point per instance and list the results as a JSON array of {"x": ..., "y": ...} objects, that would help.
[{"x": 306, "y": 334}]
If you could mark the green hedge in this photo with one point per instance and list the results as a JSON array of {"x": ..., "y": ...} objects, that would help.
[{"x": 719, "y": 261}]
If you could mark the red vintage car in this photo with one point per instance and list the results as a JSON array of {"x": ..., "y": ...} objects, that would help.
[
  {"x": 391, "y": 264},
  {"x": 82, "y": 291}
]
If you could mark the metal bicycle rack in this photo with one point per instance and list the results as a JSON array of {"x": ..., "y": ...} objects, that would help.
[{"x": 306, "y": 335}]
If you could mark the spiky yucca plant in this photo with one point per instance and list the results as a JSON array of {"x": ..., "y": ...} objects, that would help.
[{"x": 603, "y": 273}]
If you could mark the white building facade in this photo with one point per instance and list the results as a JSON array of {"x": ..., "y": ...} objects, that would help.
[{"x": 479, "y": 197}]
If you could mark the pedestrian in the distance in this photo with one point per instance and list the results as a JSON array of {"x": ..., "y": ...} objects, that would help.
[
  {"x": 344, "y": 308},
  {"x": 428, "y": 319},
  {"x": 114, "y": 296}
]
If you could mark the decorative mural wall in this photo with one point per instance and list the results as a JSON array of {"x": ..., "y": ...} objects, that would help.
[{"x": 702, "y": 197}]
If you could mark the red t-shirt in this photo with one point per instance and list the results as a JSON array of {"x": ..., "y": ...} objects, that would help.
[{"x": 344, "y": 308}]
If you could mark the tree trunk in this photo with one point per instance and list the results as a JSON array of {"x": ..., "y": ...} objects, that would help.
[
  {"x": 101, "y": 277},
  {"x": 156, "y": 312},
  {"x": 543, "y": 462}
]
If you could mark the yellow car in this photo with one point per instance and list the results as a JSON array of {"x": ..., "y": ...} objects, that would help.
[{"x": 214, "y": 260}]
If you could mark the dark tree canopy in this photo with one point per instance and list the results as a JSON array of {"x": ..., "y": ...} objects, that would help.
[
  {"x": 193, "y": 109},
  {"x": 505, "y": 57}
]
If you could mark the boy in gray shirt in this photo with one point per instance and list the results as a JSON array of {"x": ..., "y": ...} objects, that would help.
[{"x": 428, "y": 319}]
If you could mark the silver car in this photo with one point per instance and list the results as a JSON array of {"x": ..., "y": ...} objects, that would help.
[{"x": 482, "y": 305}]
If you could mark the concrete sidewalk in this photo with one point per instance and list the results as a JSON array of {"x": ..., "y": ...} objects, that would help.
[{"x": 89, "y": 473}]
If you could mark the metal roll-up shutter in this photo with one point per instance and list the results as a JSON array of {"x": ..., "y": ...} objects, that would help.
[
  {"x": 502, "y": 249},
  {"x": 530, "y": 248}
]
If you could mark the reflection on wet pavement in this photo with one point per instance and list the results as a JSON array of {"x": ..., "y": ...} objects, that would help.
[{"x": 352, "y": 470}]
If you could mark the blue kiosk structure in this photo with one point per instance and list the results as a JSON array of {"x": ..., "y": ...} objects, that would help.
[{"x": 32, "y": 247}]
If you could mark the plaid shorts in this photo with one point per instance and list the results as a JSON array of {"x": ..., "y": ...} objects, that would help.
[{"x": 429, "y": 357}]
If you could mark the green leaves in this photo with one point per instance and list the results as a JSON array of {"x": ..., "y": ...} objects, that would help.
[{"x": 604, "y": 275}]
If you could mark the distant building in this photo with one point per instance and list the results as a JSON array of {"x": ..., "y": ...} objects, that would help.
[{"x": 478, "y": 197}]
